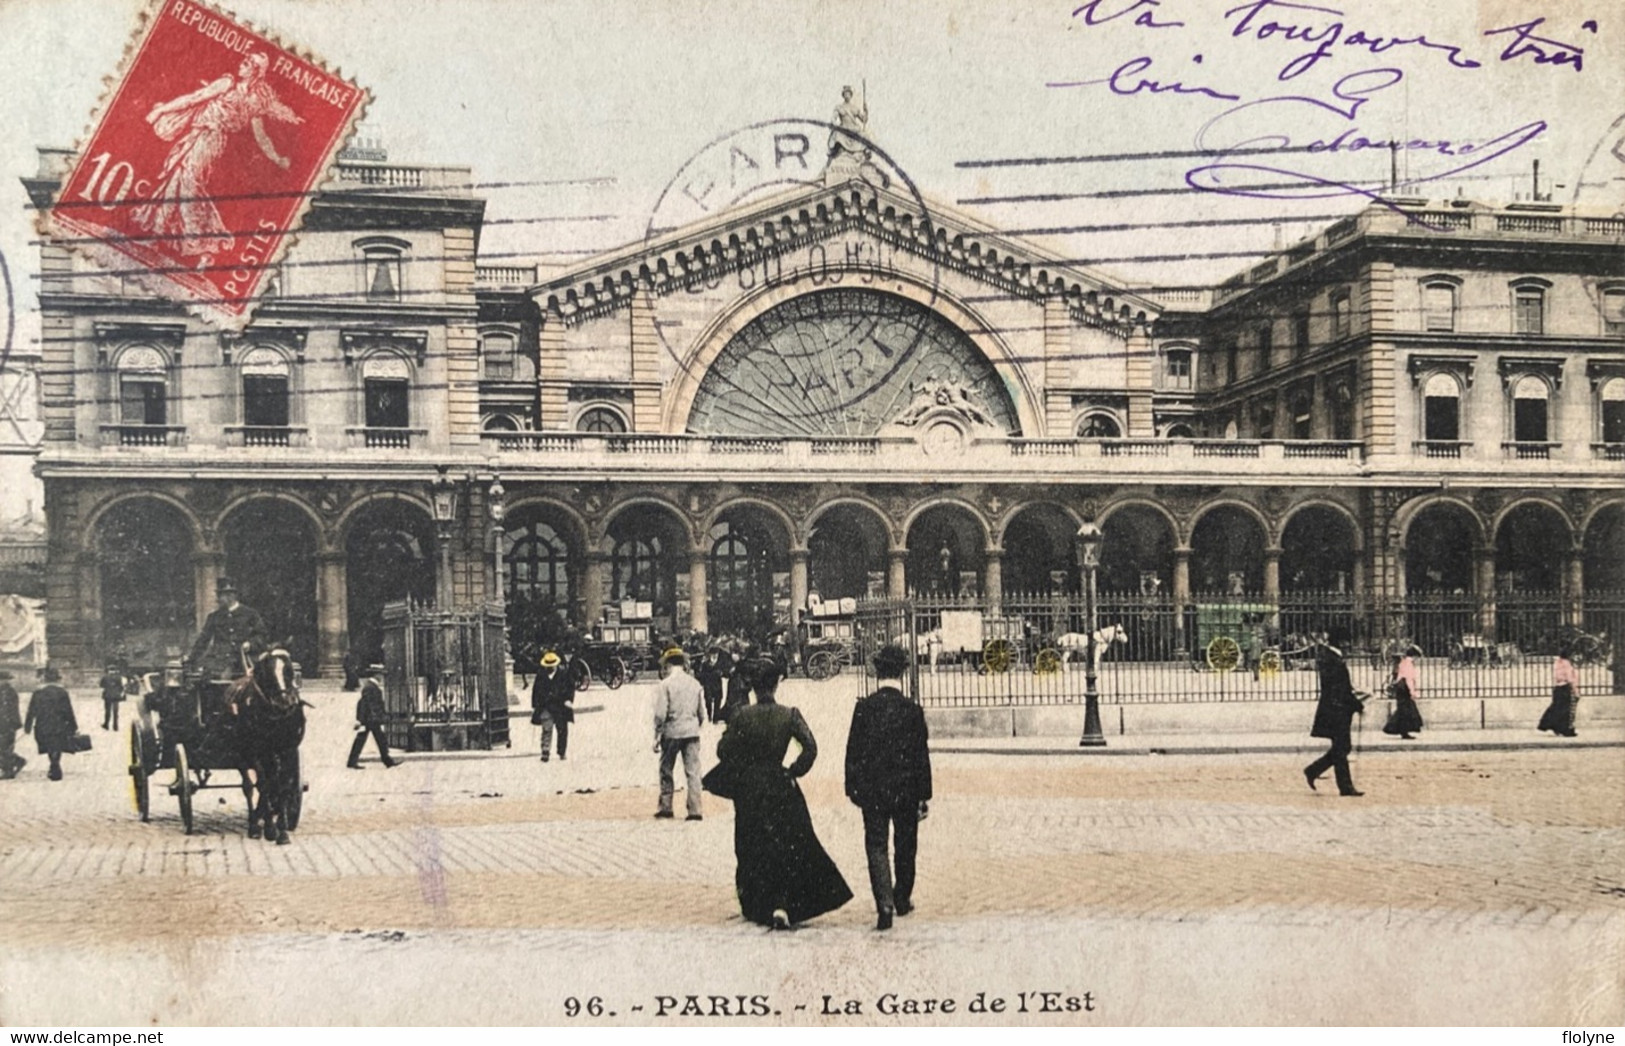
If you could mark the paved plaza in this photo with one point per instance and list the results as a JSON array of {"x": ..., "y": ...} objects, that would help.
[{"x": 1467, "y": 886}]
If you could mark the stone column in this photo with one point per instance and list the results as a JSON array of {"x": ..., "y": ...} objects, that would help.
[
  {"x": 207, "y": 568},
  {"x": 1484, "y": 588},
  {"x": 698, "y": 617},
  {"x": 1182, "y": 597},
  {"x": 1272, "y": 584},
  {"x": 993, "y": 581},
  {"x": 897, "y": 573},
  {"x": 592, "y": 588},
  {"x": 1574, "y": 598},
  {"x": 798, "y": 585},
  {"x": 332, "y": 612}
]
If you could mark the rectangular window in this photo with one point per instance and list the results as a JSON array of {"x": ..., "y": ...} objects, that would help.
[
  {"x": 1529, "y": 420},
  {"x": 1439, "y": 307},
  {"x": 1613, "y": 421},
  {"x": 1613, "y": 313},
  {"x": 1179, "y": 369},
  {"x": 1340, "y": 314},
  {"x": 1231, "y": 359},
  {"x": 1529, "y": 312},
  {"x": 1300, "y": 333},
  {"x": 265, "y": 400},
  {"x": 142, "y": 401},
  {"x": 387, "y": 403},
  {"x": 1266, "y": 346},
  {"x": 1443, "y": 418},
  {"x": 1266, "y": 422}
]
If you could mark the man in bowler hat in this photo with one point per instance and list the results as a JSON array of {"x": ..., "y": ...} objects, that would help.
[
  {"x": 1335, "y": 711},
  {"x": 51, "y": 721},
  {"x": 888, "y": 776},
  {"x": 219, "y": 647},
  {"x": 369, "y": 718}
]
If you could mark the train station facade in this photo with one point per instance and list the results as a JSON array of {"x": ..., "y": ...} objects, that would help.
[{"x": 842, "y": 390}]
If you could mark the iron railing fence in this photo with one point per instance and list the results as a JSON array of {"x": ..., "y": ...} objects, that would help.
[{"x": 1026, "y": 649}]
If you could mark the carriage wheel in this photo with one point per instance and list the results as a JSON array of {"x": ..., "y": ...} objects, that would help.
[
  {"x": 583, "y": 673},
  {"x": 295, "y": 791},
  {"x": 821, "y": 665},
  {"x": 616, "y": 675},
  {"x": 1223, "y": 654},
  {"x": 996, "y": 656},
  {"x": 183, "y": 781},
  {"x": 1047, "y": 663},
  {"x": 1269, "y": 665},
  {"x": 140, "y": 791}
]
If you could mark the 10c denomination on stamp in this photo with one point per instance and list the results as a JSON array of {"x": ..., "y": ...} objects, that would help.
[{"x": 204, "y": 158}]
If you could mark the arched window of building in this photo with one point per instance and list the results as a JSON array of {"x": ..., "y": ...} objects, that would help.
[
  {"x": 1342, "y": 412},
  {"x": 1611, "y": 410},
  {"x": 1179, "y": 430},
  {"x": 538, "y": 562},
  {"x": 634, "y": 568},
  {"x": 1439, "y": 305},
  {"x": 1099, "y": 425},
  {"x": 500, "y": 423},
  {"x": 265, "y": 388},
  {"x": 143, "y": 386},
  {"x": 497, "y": 353},
  {"x": 386, "y": 382},
  {"x": 1530, "y": 414},
  {"x": 1441, "y": 409},
  {"x": 601, "y": 421}
]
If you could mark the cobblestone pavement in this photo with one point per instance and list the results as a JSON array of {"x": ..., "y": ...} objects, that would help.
[{"x": 1464, "y": 887}]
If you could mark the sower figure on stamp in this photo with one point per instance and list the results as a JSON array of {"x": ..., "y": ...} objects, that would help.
[
  {"x": 679, "y": 711},
  {"x": 11, "y": 721},
  {"x": 369, "y": 719},
  {"x": 888, "y": 776},
  {"x": 1334, "y": 713},
  {"x": 551, "y": 697}
]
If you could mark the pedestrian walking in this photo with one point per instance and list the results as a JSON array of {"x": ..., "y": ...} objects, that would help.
[
  {"x": 783, "y": 875},
  {"x": 11, "y": 721},
  {"x": 679, "y": 711},
  {"x": 113, "y": 684},
  {"x": 1404, "y": 686},
  {"x": 738, "y": 677},
  {"x": 1559, "y": 715},
  {"x": 552, "y": 697},
  {"x": 52, "y": 722},
  {"x": 888, "y": 777},
  {"x": 710, "y": 673},
  {"x": 369, "y": 719},
  {"x": 1334, "y": 715}
]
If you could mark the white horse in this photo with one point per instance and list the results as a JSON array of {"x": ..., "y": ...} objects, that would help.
[{"x": 1075, "y": 645}]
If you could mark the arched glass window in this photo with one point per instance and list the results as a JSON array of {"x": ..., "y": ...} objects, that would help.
[
  {"x": 601, "y": 420},
  {"x": 1342, "y": 412},
  {"x": 500, "y": 423},
  {"x": 1179, "y": 431},
  {"x": 1441, "y": 408},
  {"x": 1099, "y": 426},
  {"x": 731, "y": 562},
  {"x": 634, "y": 568},
  {"x": 1529, "y": 410},
  {"x": 538, "y": 563},
  {"x": 1612, "y": 403},
  {"x": 265, "y": 388},
  {"x": 497, "y": 352}
]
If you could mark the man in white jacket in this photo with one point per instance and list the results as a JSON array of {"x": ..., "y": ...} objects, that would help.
[{"x": 679, "y": 711}]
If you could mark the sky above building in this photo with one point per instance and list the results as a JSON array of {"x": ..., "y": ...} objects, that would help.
[{"x": 1167, "y": 143}]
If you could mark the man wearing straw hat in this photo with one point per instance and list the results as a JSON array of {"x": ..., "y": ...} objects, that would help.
[{"x": 550, "y": 698}]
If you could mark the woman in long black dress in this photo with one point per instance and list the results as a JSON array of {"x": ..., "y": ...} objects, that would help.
[
  {"x": 784, "y": 874},
  {"x": 1404, "y": 688},
  {"x": 1559, "y": 715}
]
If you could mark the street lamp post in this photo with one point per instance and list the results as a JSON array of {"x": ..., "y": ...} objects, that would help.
[
  {"x": 443, "y": 500},
  {"x": 499, "y": 509},
  {"x": 1088, "y": 538}
]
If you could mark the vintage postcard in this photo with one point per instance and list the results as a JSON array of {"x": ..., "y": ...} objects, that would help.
[{"x": 1076, "y": 514}]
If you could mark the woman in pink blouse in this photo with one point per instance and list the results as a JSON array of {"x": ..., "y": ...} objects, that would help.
[
  {"x": 1404, "y": 688},
  {"x": 1559, "y": 715}
]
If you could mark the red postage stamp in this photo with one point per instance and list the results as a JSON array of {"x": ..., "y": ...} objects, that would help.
[{"x": 204, "y": 159}]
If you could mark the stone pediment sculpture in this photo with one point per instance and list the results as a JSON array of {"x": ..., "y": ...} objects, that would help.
[
  {"x": 849, "y": 153},
  {"x": 939, "y": 399}
]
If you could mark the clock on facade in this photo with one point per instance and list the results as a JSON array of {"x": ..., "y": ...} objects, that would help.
[{"x": 844, "y": 363}]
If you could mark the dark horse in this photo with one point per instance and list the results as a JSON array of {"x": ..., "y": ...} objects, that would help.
[{"x": 269, "y": 723}]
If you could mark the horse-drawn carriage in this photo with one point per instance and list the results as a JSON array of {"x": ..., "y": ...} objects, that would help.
[
  {"x": 827, "y": 636},
  {"x": 197, "y": 727},
  {"x": 620, "y": 647}
]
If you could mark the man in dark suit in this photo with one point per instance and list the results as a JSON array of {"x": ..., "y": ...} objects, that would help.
[
  {"x": 51, "y": 720},
  {"x": 11, "y": 721},
  {"x": 1336, "y": 709},
  {"x": 218, "y": 651},
  {"x": 369, "y": 717},
  {"x": 888, "y": 776}
]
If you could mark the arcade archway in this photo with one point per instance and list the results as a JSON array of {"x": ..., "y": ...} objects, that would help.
[
  {"x": 648, "y": 553},
  {"x": 1227, "y": 553},
  {"x": 1317, "y": 552},
  {"x": 270, "y": 550},
  {"x": 389, "y": 555},
  {"x": 947, "y": 552},
  {"x": 748, "y": 575},
  {"x": 846, "y": 553},
  {"x": 147, "y": 582},
  {"x": 1136, "y": 552},
  {"x": 1038, "y": 556}
]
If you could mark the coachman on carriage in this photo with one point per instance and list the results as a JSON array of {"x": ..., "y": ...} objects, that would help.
[{"x": 234, "y": 705}]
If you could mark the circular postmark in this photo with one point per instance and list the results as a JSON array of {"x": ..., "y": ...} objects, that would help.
[
  {"x": 1605, "y": 164},
  {"x": 754, "y": 163},
  {"x": 9, "y": 303}
]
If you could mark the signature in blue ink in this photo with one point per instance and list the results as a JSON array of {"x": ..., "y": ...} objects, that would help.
[
  {"x": 1527, "y": 43},
  {"x": 1126, "y": 80},
  {"x": 1146, "y": 19},
  {"x": 1349, "y": 96},
  {"x": 1258, "y": 21}
]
